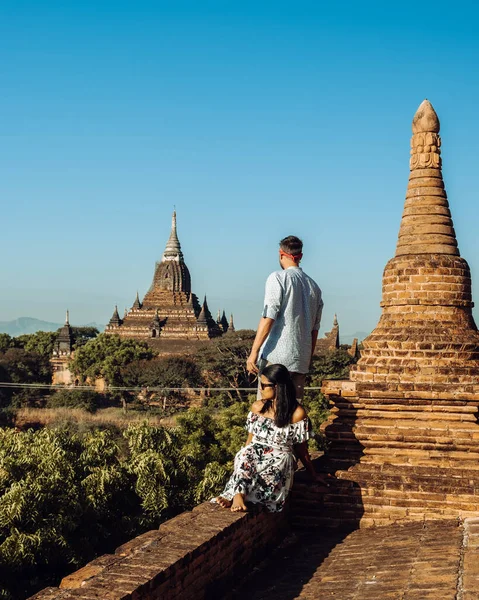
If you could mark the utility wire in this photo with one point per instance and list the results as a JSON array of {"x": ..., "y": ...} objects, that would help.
[{"x": 51, "y": 386}]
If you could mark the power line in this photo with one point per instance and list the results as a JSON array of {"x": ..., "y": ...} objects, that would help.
[{"x": 51, "y": 386}]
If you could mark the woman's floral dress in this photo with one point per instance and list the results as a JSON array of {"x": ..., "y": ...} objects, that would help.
[{"x": 263, "y": 470}]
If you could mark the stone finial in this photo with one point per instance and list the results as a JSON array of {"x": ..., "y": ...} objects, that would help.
[
  {"x": 425, "y": 119},
  {"x": 231, "y": 324},
  {"x": 67, "y": 318},
  {"x": 173, "y": 247},
  {"x": 426, "y": 226},
  {"x": 335, "y": 320}
]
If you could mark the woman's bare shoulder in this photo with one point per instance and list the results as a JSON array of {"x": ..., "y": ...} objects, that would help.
[
  {"x": 256, "y": 406},
  {"x": 299, "y": 414}
]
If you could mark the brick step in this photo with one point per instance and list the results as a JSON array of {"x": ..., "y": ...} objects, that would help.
[
  {"x": 389, "y": 419},
  {"x": 388, "y": 470},
  {"x": 408, "y": 496},
  {"x": 419, "y": 425},
  {"x": 434, "y": 406},
  {"x": 376, "y": 499},
  {"x": 417, "y": 453},
  {"x": 405, "y": 435},
  {"x": 407, "y": 443}
]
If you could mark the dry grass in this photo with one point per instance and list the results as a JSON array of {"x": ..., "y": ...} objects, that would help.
[{"x": 40, "y": 417}]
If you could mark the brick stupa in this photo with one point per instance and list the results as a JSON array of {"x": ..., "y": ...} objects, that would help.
[{"x": 403, "y": 431}]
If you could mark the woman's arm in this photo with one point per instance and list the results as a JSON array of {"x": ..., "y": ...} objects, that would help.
[
  {"x": 301, "y": 452},
  {"x": 249, "y": 439}
]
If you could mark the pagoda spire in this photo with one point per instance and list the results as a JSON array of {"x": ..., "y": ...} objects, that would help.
[
  {"x": 202, "y": 317},
  {"x": 173, "y": 247},
  {"x": 64, "y": 342},
  {"x": 231, "y": 325},
  {"x": 335, "y": 320},
  {"x": 426, "y": 226},
  {"x": 137, "y": 304},
  {"x": 224, "y": 322},
  {"x": 115, "y": 319}
]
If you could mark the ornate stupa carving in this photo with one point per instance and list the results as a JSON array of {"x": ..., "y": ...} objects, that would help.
[
  {"x": 403, "y": 430},
  {"x": 169, "y": 310}
]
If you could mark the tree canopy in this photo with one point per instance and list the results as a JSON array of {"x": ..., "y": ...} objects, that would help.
[
  {"x": 82, "y": 335},
  {"x": 105, "y": 356},
  {"x": 223, "y": 361}
]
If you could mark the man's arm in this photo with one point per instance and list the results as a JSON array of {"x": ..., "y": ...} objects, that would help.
[{"x": 264, "y": 328}]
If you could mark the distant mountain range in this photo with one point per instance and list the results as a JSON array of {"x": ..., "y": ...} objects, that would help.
[{"x": 24, "y": 325}]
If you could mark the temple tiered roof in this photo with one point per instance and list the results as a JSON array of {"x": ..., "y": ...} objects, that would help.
[{"x": 169, "y": 310}]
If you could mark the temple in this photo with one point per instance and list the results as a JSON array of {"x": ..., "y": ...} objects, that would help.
[
  {"x": 62, "y": 354},
  {"x": 330, "y": 341},
  {"x": 403, "y": 434},
  {"x": 170, "y": 310}
]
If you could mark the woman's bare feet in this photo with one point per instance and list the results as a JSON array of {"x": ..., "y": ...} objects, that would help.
[
  {"x": 239, "y": 504},
  {"x": 223, "y": 502}
]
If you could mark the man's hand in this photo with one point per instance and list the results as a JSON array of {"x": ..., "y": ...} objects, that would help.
[
  {"x": 251, "y": 365},
  {"x": 264, "y": 328}
]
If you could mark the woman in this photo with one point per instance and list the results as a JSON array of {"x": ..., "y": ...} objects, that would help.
[{"x": 278, "y": 430}]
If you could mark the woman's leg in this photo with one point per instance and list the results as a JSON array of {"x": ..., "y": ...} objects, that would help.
[{"x": 241, "y": 482}]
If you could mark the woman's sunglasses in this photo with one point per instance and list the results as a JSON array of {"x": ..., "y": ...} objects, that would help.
[{"x": 266, "y": 385}]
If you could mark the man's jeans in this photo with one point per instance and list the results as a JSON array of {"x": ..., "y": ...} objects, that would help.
[{"x": 297, "y": 378}]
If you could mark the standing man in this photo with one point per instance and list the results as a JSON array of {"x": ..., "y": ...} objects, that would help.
[{"x": 288, "y": 329}]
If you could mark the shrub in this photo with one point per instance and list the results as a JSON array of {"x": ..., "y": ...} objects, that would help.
[{"x": 71, "y": 398}]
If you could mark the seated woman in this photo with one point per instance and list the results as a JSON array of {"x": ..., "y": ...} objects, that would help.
[{"x": 278, "y": 430}]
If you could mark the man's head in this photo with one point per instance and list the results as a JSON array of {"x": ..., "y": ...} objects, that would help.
[{"x": 290, "y": 251}]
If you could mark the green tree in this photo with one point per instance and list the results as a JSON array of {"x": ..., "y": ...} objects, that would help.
[
  {"x": 332, "y": 365},
  {"x": 88, "y": 400},
  {"x": 6, "y": 342},
  {"x": 22, "y": 366},
  {"x": 170, "y": 372},
  {"x": 223, "y": 362},
  {"x": 106, "y": 355},
  {"x": 41, "y": 342},
  {"x": 82, "y": 335}
]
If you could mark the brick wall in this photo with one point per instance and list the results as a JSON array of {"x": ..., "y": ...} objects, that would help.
[{"x": 198, "y": 554}]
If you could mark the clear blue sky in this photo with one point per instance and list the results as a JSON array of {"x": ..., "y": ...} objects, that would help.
[{"x": 256, "y": 119}]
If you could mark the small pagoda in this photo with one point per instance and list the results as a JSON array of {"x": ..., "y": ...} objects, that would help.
[
  {"x": 169, "y": 310},
  {"x": 62, "y": 354}
]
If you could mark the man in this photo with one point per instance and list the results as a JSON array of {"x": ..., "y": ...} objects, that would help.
[{"x": 288, "y": 329}]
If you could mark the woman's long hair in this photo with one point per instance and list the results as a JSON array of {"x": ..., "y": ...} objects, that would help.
[{"x": 286, "y": 402}]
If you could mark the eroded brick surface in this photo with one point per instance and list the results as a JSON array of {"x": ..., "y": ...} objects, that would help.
[{"x": 416, "y": 561}]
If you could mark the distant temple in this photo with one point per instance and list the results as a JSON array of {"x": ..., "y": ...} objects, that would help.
[
  {"x": 62, "y": 354},
  {"x": 170, "y": 310},
  {"x": 330, "y": 342}
]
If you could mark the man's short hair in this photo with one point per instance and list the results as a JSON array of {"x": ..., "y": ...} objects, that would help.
[{"x": 292, "y": 245}]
